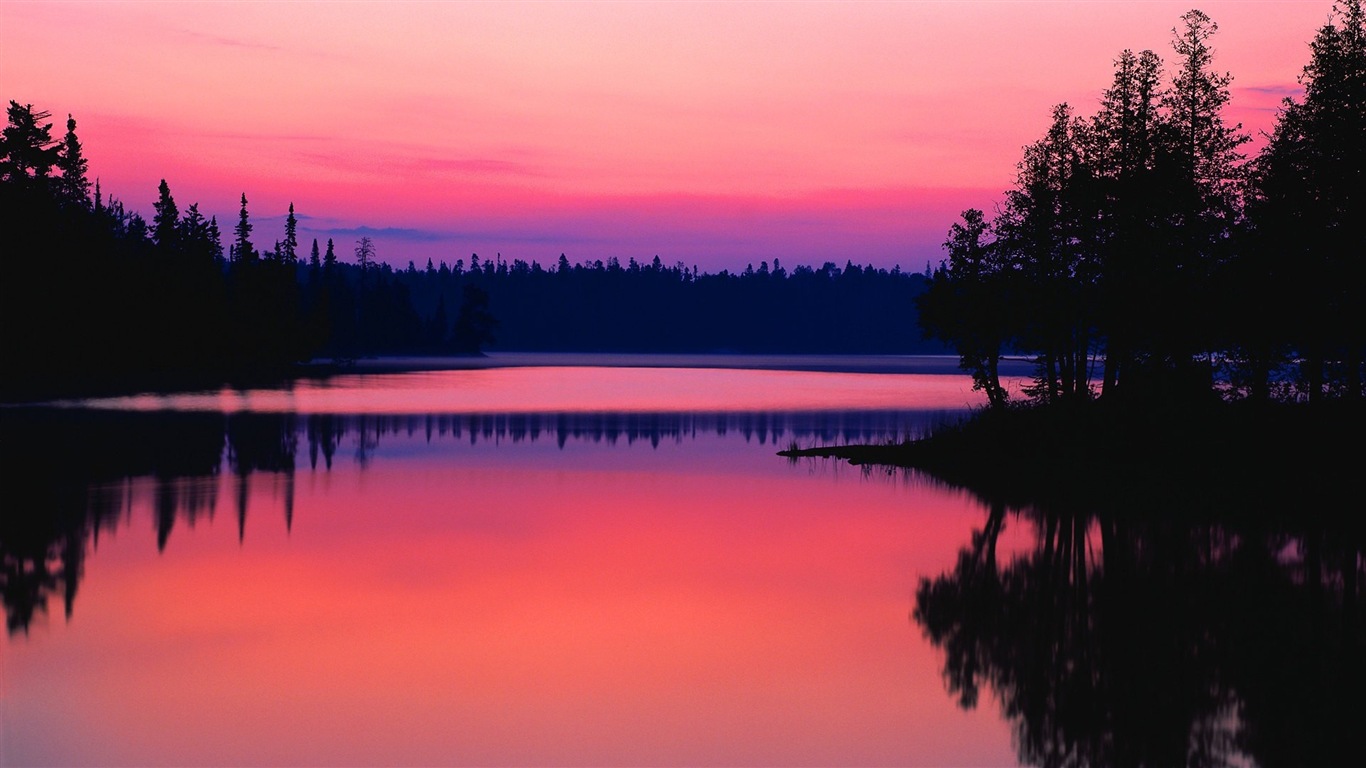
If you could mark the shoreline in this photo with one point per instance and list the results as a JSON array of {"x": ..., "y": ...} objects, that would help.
[
  {"x": 1227, "y": 456},
  {"x": 173, "y": 383}
]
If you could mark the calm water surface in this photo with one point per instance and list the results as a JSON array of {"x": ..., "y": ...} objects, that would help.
[{"x": 532, "y": 565}]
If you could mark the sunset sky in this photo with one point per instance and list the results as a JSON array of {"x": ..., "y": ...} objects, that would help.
[{"x": 713, "y": 134}]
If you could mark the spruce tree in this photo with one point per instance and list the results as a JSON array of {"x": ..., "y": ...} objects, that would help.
[
  {"x": 1201, "y": 145},
  {"x": 242, "y": 247},
  {"x": 215, "y": 239},
  {"x": 289, "y": 249},
  {"x": 1308, "y": 208},
  {"x": 1125, "y": 137},
  {"x": 73, "y": 186},
  {"x": 166, "y": 220}
]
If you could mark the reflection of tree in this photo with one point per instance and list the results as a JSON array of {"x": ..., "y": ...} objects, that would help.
[
  {"x": 324, "y": 433},
  {"x": 68, "y": 474},
  {"x": 1161, "y": 639},
  {"x": 65, "y": 479},
  {"x": 262, "y": 442}
]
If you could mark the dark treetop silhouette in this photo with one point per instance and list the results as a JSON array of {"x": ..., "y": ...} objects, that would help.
[
  {"x": 1138, "y": 254},
  {"x": 96, "y": 298},
  {"x": 1192, "y": 595}
]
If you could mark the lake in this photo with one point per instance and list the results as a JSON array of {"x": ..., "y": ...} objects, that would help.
[
  {"x": 497, "y": 566},
  {"x": 586, "y": 562}
]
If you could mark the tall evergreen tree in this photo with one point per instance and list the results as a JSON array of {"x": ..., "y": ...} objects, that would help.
[
  {"x": 969, "y": 304},
  {"x": 242, "y": 247},
  {"x": 1202, "y": 145},
  {"x": 1047, "y": 228},
  {"x": 73, "y": 186},
  {"x": 1310, "y": 200},
  {"x": 166, "y": 220},
  {"x": 1202, "y": 180},
  {"x": 1125, "y": 135},
  {"x": 215, "y": 239},
  {"x": 289, "y": 249}
]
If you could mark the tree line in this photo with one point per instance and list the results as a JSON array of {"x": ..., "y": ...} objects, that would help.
[
  {"x": 610, "y": 306},
  {"x": 1140, "y": 252},
  {"x": 97, "y": 297}
]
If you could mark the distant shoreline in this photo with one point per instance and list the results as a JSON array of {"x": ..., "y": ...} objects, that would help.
[
  {"x": 325, "y": 369},
  {"x": 833, "y": 363}
]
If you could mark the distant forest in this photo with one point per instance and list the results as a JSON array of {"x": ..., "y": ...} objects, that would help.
[
  {"x": 1140, "y": 253},
  {"x": 96, "y": 297}
]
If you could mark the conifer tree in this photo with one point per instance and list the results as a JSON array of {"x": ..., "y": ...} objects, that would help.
[
  {"x": 73, "y": 186},
  {"x": 289, "y": 249},
  {"x": 215, "y": 239},
  {"x": 1046, "y": 229},
  {"x": 1202, "y": 179},
  {"x": 27, "y": 154},
  {"x": 194, "y": 229},
  {"x": 967, "y": 304},
  {"x": 1308, "y": 208},
  {"x": 1201, "y": 145},
  {"x": 166, "y": 220},
  {"x": 1125, "y": 135},
  {"x": 242, "y": 247}
]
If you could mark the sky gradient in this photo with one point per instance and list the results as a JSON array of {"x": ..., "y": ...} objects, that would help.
[{"x": 712, "y": 134}]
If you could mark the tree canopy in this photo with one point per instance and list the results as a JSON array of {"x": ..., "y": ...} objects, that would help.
[{"x": 1140, "y": 254}]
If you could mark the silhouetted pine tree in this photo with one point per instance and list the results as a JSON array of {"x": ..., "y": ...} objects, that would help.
[
  {"x": 28, "y": 154},
  {"x": 72, "y": 186},
  {"x": 166, "y": 220},
  {"x": 289, "y": 249},
  {"x": 968, "y": 303},
  {"x": 242, "y": 250}
]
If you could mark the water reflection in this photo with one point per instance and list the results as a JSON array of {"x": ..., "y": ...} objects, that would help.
[
  {"x": 70, "y": 474},
  {"x": 1137, "y": 632}
]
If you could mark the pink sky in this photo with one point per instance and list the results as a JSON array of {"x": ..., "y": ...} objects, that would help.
[{"x": 714, "y": 134}]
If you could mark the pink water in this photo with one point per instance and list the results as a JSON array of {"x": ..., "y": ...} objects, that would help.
[{"x": 437, "y": 601}]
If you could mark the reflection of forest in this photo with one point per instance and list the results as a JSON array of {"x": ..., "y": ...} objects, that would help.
[
  {"x": 1164, "y": 636},
  {"x": 69, "y": 474}
]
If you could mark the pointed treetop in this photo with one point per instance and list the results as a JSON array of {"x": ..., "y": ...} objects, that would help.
[
  {"x": 289, "y": 249},
  {"x": 242, "y": 247},
  {"x": 72, "y": 186},
  {"x": 167, "y": 216}
]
